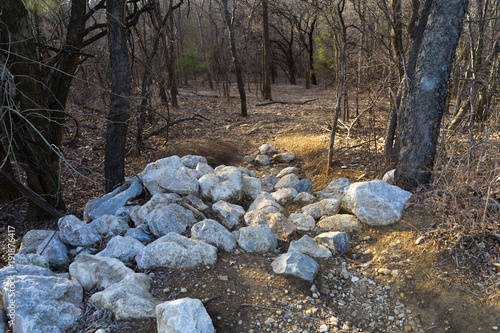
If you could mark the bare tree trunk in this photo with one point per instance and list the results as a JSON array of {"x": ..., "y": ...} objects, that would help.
[
  {"x": 203, "y": 50},
  {"x": 425, "y": 103},
  {"x": 266, "y": 53},
  {"x": 116, "y": 133},
  {"x": 234, "y": 55},
  {"x": 340, "y": 11},
  {"x": 172, "y": 74}
]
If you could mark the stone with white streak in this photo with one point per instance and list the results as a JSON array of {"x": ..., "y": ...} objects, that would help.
[
  {"x": 322, "y": 208},
  {"x": 296, "y": 264},
  {"x": 74, "y": 232},
  {"x": 44, "y": 304},
  {"x": 212, "y": 232},
  {"x": 176, "y": 251},
  {"x": 257, "y": 239},
  {"x": 123, "y": 248},
  {"x": 229, "y": 214},
  {"x": 184, "y": 315},
  {"x": 128, "y": 299},
  {"x": 173, "y": 218},
  {"x": 308, "y": 246},
  {"x": 97, "y": 272},
  {"x": 375, "y": 203}
]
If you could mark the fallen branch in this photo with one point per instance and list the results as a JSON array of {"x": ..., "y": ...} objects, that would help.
[
  {"x": 177, "y": 121},
  {"x": 31, "y": 195},
  {"x": 287, "y": 103}
]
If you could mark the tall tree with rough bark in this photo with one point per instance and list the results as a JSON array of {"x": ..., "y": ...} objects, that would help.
[
  {"x": 266, "y": 52},
  {"x": 119, "y": 111},
  {"x": 237, "y": 65},
  {"x": 424, "y": 105}
]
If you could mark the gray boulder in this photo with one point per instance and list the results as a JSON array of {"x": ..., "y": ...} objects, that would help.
[
  {"x": 157, "y": 201},
  {"x": 336, "y": 241},
  {"x": 284, "y": 157},
  {"x": 176, "y": 251},
  {"x": 308, "y": 246},
  {"x": 155, "y": 171},
  {"x": 141, "y": 233},
  {"x": 203, "y": 169},
  {"x": 305, "y": 185},
  {"x": 263, "y": 159},
  {"x": 97, "y": 272},
  {"x": 74, "y": 232},
  {"x": 172, "y": 218},
  {"x": 304, "y": 197},
  {"x": 225, "y": 183},
  {"x": 251, "y": 186},
  {"x": 289, "y": 180},
  {"x": 322, "y": 208},
  {"x": 109, "y": 224},
  {"x": 341, "y": 222},
  {"x": 43, "y": 304},
  {"x": 128, "y": 299},
  {"x": 304, "y": 222},
  {"x": 229, "y": 214},
  {"x": 33, "y": 238},
  {"x": 375, "y": 203},
  {"x": 111, "y": 202},
  {"x": 284, "y": 195},
  {"x": 177, "y": 181},
  {"x": 338, "y": 186},
  {"x": 184, "y": 315},
  {"x": 123, "y": 248},
  {"x": 191, "y": 161},
  {"x": 212, "y": 232},
  {"x": 287, "y": 171},
  {"x": 296, "y": 264},
  {"x": 281, "y": 226},
  {"x": 55, "y": 251},
  {"x": 258, "y": 239},
  {"x": 256, "y": 217},
  {"x": 261, "y": 197},
  {"x": 124, "y": 213},
  {"x": 268, "y": 182},
  {"x": 267, "y": 149}
]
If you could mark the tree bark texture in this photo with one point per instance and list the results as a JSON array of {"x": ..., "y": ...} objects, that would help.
[
  {"x": 424, "y": 105},
  {"x": 266, "y": 53},
  {"x": 116, "y": 132},
  {"x": 234, "y": 55}
]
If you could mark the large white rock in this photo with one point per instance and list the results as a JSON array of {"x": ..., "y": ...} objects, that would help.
[
  {"x": 192, "y": 161},
  {"x": 123, "y": 248},
  {"x": 111, "y": 202},
  {"x": 176, "y": 251},
  {"x": 308, "y": 246},
  {"x": 99, "y": 272},
  {"x": 322, "y": 208},
  {"x": 157, "y": 201},
  {"x": 212, "y": 232},
  {"x": 296, "y": 264},
  {"x": 128, "y": 299},
  {"x": 229, "y": 214},
  {"x": 185, "y": 315},
  {"x": 304, "y": 222},
  {"x": 74, "y": 232},
  {"x": 289, "y": 180},
  {"x": 258, "y": 239},
  {"x": 55, "y": 251},
  {"x": 341, "y": 222},
  {"x": 225, "y": 183},
  {"x": 178, "y": 182},
  {"x": 43, "y": 304},
  {"x": 375, "y": 202},
  {"x": 172, "y": 218},
  {"x": 259, "y": 199},
  {"x": 251, "y": 186},
  {"x": 109, "y": 224}
]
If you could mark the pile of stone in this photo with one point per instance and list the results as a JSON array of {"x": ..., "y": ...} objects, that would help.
[{"x": 172, "y": 230}]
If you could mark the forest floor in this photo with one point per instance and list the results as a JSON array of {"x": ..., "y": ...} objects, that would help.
[{"x": 393, "y": 284}]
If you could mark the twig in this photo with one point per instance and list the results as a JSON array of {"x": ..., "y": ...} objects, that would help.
[
  {"x": 194, "y": 210},
  {"x": 286, "y": 103},
  {"x": 50, "y": 240}
]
